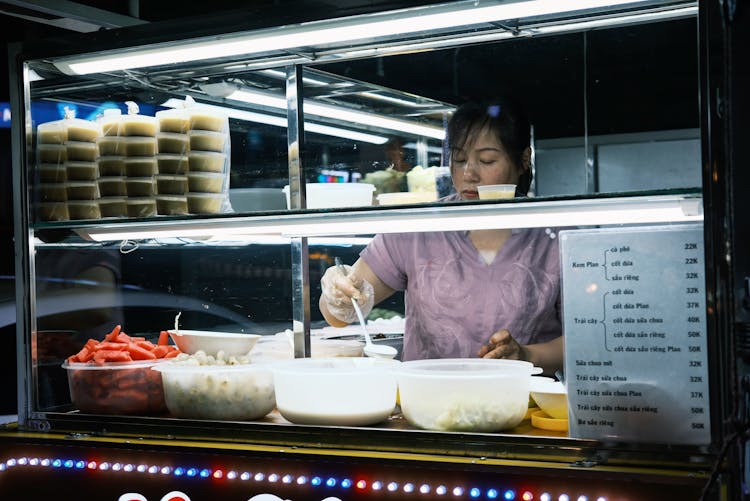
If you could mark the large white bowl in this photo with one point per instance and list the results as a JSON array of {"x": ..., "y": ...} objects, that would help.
[
  {"x": 233, "y": 344},
  {"x": 226, "y": 392},
  {"x": 551, "y": 396},
  {"x": 481, "y": 395},
  {"x": 333, "y": 195},
  {"x": 336, "y": 391}
]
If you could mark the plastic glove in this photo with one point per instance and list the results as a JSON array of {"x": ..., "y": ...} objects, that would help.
[{"x": 338, "y": 289}]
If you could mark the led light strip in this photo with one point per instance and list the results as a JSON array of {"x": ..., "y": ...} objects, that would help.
[
  {"x": 339, "y": 113},
  {"x": 541, "y": 214},
  {"x": 346, "y": 30},
  {"x": 323, "y": 481}
]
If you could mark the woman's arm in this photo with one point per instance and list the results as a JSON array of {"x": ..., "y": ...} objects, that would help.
[{"x": 346, "y": 285}]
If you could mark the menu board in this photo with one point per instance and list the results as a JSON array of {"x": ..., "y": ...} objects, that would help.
[{"x": 634, "y": 319}]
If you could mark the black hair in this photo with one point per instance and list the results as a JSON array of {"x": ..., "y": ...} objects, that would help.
[{"x": 506, "y": 120}]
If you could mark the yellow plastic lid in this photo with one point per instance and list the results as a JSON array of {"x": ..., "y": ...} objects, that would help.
[{"x": 540, "y": 419}]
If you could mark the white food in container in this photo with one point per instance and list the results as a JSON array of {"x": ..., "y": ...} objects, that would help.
[
  {"x": 336, "y": 391},
  {"x": 479, "y": 395},
  {"x": 225, "y": 392}
]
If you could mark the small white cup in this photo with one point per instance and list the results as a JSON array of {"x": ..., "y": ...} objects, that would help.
[{"x": 495, "y": 191}]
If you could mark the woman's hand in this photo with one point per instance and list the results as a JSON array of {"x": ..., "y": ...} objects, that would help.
[
  {"x": 548, "y": 355},
  {"x": 502, "y": 345},
  {"x": 338, "y": 289}
]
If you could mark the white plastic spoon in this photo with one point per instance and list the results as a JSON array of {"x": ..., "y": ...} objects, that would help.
[{"x": 372, "y": 349}]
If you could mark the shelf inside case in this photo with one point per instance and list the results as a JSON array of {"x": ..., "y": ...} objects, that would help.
[{"x": 436, "y": 217}]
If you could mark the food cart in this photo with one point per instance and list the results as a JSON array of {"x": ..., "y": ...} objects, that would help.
[{"x": 165, "y": 179}]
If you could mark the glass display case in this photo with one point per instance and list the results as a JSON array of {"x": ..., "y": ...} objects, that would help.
[{"x": 206, "y": 180}]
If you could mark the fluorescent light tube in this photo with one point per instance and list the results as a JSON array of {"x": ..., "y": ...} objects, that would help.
[
  {"x": 542, "y": 214},
  {"x": 277, "y": 121},
  {"x": 339, "y": 113},
  {"x": 345, "y": 30}
]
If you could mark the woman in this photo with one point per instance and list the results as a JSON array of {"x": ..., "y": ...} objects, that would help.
[{"x": 487, "y": 293}]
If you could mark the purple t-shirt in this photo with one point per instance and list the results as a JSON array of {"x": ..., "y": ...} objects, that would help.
[{"x": 455, "y": 301}]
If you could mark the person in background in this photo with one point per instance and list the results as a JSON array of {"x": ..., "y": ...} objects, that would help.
[
  {"x": 394, "y": 152},
  {"x": 482, "y": 293}
]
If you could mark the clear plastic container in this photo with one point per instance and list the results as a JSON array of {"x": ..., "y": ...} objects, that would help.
[
  {"x": 113, "y": 207},
  {"x": 111, "y": 166},
  {"x": 130, "y": 388},
  {"x": 202, "y": 140},
  {"x": 84, "y": 209},
  {"x": 140, "y": 166},
  {"x": 207, "y": 182},
  {"x": 82, "y": 130},
  {"x": 225, "y": 392},
  {"x": 175, "y": 120},
  {"x": 171, "y": 142},
  {"x": 406, "y": 197},
  {"x": 205, "y": 203},
  {"x": 139, "y": 146},
  {"x": 203, "y": 119},
  {"x": 82, "y": 151},
  {"x": 167, "y": 184},
  {"x": 112, "y": 186},
  {"x": 110, "y": 145},
  {"x": 52, "y": 211},
  {"x": 53, "y": 192},
  {"x": 141, "y": 207},
  {"x": 140, "y": 186},
  {"x": 110, "y": 122},
  {"x": 496, "y": 191},
  {"x": 475, "y": 395},
  {"x": 52, "y": 133},
  {"x": 83, "y": 190},
  {"x": 82, "y": 171},
  {"x": 206, "y": 161},
  {"x": 170, "y": 205},
  {"x": 52, "y": 153},
  {"x": 172, "y": 164},
  {"x": 138, "y": 125},
  {"x": 52, "y": 173}
]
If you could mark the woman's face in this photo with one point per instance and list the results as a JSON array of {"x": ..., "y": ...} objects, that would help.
[{"x": 482, "y": 160}]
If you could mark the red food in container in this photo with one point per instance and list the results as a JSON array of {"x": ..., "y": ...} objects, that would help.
[{"x": 116, "y": 387}]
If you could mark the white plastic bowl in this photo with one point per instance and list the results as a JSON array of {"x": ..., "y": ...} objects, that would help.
[
  {"x": 273, "y": 348},
  {"x": 551, "y": 396},
  {"x": 480, "y": 395},
  {"x": 334, "y": 195},
  {"x": 336, "y": 391},
  {"x": 233, "y": 344},
  {"x": 226, "y": 392}
]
